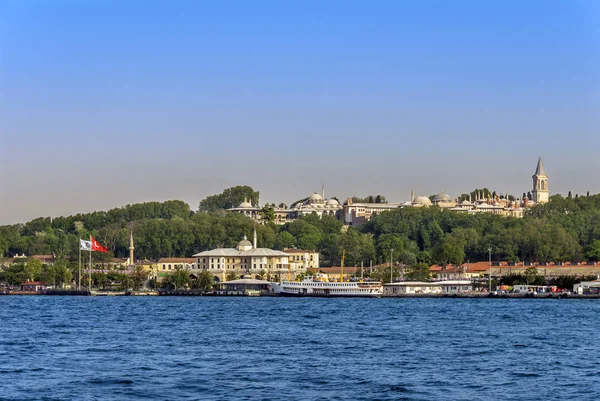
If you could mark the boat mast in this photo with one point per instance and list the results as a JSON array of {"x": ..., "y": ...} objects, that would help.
[{"x": 342, "y": 271}]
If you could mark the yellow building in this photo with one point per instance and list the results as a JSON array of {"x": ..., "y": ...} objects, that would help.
[{"x": 301, "y": 259}]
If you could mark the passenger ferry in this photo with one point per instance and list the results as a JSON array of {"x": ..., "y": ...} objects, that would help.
[{"x": 320, "y": 286}]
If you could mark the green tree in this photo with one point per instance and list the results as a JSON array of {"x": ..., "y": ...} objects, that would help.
[
  {"x": 267, "y": 213},
  {"x": 450, "y": 250},
  {"x": 531, "y": 273},
  {"x": 32, "y": 270},
  {"x": 138, "y": 277},
  {"x": 229, "y": 198},
  {"x": 180, "y": 278},
  {"x": 593, "y": 251},
  {"x": 101, "y": 280},
  {"x": 59, "y": 274},
  {"x": 205, "y": 281},
  {"x": 284, "y": 240},
  {"x": 418, "y": 272}
]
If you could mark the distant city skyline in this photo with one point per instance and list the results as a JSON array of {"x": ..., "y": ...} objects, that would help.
[{"x": 104, "y": 104}]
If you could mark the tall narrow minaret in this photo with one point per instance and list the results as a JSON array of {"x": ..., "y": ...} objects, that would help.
[
  {"x": 131, "y": 248},
  {"x": 540, "y": 184},
  {"x": 255, "y": 241},
  {"x": 412, "y": 196},
  {"x": 323, "y": 190}
]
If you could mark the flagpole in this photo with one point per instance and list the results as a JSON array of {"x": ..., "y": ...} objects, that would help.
[
  {"x": 79, "y": 276},
  {"x": 90, "y": 271}
]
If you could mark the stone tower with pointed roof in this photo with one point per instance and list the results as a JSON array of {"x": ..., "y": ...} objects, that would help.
[{"x": 540, "y": 184}]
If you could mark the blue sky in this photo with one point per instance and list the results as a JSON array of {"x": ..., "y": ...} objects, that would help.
[{"x": 104, "y": 103}]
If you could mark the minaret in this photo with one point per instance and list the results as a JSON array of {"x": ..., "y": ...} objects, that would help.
[
  {"x": 412, "y": 195},
  {"x": 323, "y": 190},
  {"x": 540, "y": 184},
  {"x": 255, "y": 241},
  {"x": 131, "y": 248}
]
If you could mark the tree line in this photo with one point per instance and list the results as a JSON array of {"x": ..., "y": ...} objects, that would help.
[{"x": 565, "y": 229}]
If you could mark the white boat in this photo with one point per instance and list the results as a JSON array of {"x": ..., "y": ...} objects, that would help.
[{"x": 320, "y": 286}]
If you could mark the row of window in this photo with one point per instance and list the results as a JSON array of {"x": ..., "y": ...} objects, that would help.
[{"x": 259, "y": 266}]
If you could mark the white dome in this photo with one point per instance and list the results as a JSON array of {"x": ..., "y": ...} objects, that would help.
[
  {"x": 442, "y": 197},
  {"x": 422, "y": 201},
  {"x": 333, "y": 202},
  {"x": 245, "y": 205},
  {"x": 244, "y": 244},
  {"x": 315, "y": 197}
]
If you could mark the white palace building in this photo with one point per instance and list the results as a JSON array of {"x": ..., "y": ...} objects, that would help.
[
  {"x": 315, "y": 203},
  {"x": 264, "y": 263}
]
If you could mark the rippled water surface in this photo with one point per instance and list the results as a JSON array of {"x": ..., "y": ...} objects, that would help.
[{"x": 280, "y": 348}]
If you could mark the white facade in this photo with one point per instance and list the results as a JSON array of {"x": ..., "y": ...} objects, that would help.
[
  {"x": 246, "y": 259},
  {"x": 315, "y": 203}
]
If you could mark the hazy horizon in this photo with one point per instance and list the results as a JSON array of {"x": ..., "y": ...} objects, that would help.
[{"x": 104, "y": 104}]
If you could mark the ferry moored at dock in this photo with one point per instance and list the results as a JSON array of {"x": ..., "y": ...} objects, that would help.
[{"x": 320, "y": 286}]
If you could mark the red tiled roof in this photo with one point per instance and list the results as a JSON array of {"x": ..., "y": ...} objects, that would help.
[{"x": 484, "y": 266}]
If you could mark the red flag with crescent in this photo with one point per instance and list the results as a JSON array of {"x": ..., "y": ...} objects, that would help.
[{"x": 96, "y": 246}]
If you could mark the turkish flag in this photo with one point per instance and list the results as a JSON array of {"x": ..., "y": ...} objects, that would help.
[{"x": 96, "y": 246}]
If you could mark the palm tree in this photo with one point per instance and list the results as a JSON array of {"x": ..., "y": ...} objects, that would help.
[{"x": 138, "y": 276}]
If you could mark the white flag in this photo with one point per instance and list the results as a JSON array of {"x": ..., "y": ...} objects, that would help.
[{"x": 85, "y": 245}]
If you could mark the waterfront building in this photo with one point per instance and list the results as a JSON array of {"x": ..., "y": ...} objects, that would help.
[
  {"x": 244, "y": 286},
  {"x": 247, "y": 259},
  {"x": 479, "y": 270},
  {"x": 170, "y": 264},
  {"x": 587, "y": 287},
  {"x": 302, "y": 259},
  {"x": 33, "y": 286}
]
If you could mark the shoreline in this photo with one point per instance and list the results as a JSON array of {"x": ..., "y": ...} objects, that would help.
[{"x": 184, "y": 293}]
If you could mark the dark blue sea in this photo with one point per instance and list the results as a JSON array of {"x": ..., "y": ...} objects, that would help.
[{"x": 205, "y": 348}]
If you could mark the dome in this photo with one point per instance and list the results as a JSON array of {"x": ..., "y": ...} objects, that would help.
[
  {"x": 442, "y": 197},
  {"x": 245, "y": 204},
  {"x": 466, "y": 202},
  {"x": 333, "y": 202},
  {"x": 315, "y": 197},
  {"x": 422, "y": 201},
  {"x": 244, "y": 244}
]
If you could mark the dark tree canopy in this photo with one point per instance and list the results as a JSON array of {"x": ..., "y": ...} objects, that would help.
[{"x": 231, "y": 197}]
